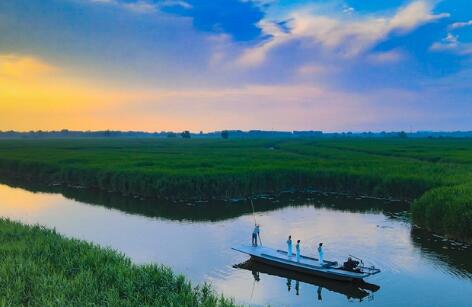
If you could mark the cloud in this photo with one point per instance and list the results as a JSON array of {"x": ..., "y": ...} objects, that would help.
[
  {"x": 15, "y": 66},
  {"x": 176, "y": 3},
  {"x": 285, "y": 107},
  {"x": 138, "y": 6},
  {"x": 348, "y": 10},
  {"x": 391, "y": 56},
  {"x": 338, "y": 35},
  {"x": 141, "y": 7},
  {"x": 296, "y": 69},
  {"x": 28, "y": 100},
  {"x": 458, "y": 25},
  {"x": 311, "y": 69},
  {"x": 413, "y": 15},
  {"x": 257, "y": 55},
  {"x": 451, "y": 43}
]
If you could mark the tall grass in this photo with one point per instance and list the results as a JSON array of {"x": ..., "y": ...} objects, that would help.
[
  {"x": 210, "y": 168},
  {"x": 40, "y": 268},
  {"x": 446, "y": 210}
]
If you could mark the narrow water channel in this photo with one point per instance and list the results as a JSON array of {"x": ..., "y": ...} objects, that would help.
[{"x": 418, "y": 269}]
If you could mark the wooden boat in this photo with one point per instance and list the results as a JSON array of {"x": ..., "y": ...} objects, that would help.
[
  {"x": 306, "y": 265},
  {"x": 356, "y": 290}
]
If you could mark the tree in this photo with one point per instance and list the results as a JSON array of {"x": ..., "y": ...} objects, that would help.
[
  {"x": 402, "y": 135},
  {"x": 225, "y": 134},
  {"x": 171, "y": 134},
  {"x": 185, "y": 134}
]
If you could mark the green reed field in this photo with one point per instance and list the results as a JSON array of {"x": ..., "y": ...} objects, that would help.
[
  {"x": 434, "y": 173},
  {"x": 41, "y": 268}
]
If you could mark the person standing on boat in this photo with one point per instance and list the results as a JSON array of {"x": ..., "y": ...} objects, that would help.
[
  {"x": 255, "y": 234},
  {"x": 321, "y": 253},
  {"x": 297, "y": 250},
  {"x": 289, "y": 246}
]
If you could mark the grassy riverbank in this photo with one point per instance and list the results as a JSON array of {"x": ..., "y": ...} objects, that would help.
[
  {"x": 41, "y": 268},
  {"x": 446, "y": 210},
  {"x": 176, "y": 168}
]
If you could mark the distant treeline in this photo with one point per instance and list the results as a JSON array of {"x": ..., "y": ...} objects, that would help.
[{"x": 230, "y": 134}]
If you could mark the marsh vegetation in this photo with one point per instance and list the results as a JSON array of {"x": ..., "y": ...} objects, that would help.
[{"x": 435, "y": 174}]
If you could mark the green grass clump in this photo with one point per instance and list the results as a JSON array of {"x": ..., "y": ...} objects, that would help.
[
  {"x": 446, "y": 210},
  {"x": 41, "y": 268},
  {"x": 216, "y": 168}
]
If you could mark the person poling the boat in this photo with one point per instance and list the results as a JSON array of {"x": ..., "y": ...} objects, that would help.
[
  {"x": 321, "y": 254},
  {"x": 297, "y": 250},
  {"x": 255, "y": 234},
  {"x": 289, "y": 246}
]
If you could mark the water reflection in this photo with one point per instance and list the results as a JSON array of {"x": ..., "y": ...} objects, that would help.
[
  {"x": 453, "y": 254},
  {"x": 456, "y": 255},
  {"x": 216, "y": 210},
  {"x": 196, "y": 240},
  {"x": 359, "y": 291}
]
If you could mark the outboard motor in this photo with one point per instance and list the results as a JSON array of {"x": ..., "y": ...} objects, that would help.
[{"x": 351, "y": 265}]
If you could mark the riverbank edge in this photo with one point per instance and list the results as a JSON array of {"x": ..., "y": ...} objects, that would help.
[
  {"x": 222, "y": 186},
  {"x": 40, "y": 267}
]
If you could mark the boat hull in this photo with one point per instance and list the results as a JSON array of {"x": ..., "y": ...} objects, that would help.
[
  {"x": 303, "y": 270},
  {"x": 357, "y": 290},
  {"x": 306, "y": 265}
]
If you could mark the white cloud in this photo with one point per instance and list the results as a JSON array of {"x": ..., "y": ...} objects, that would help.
[
  {"x": 348, "y": 10},
  {"x": 144, "y": 6},
  {"x": 254, "y": 56},
  {"x": 451, "y": 43},
  {"x": 310, "y": 69},
  {"x": 413, "y": 15},
  {"x": 458, "y": 25},
  {"x": 182, "y": 4},
  {"x": 102, "y": 1},
  {"x": 347, "y": 38},
  {"x": 391, "y": 56},
  {"x": 140, "y": 6}
]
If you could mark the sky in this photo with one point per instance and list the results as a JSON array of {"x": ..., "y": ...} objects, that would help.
[{"x": 159, "y": 65}]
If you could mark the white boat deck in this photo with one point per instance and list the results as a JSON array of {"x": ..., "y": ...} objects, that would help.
[{"x": 308, "y": 264}]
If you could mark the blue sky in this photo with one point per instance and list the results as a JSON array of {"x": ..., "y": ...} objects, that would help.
[{"x": 234, "y": 64}]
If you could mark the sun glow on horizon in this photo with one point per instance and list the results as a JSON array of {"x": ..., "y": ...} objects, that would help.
[{"x": 213, "y": 65}]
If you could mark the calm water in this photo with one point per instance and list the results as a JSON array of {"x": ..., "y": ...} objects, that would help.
[{"x": 418, "y": 269}]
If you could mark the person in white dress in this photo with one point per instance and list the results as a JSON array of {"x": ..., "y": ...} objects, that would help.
[
  {"x": 255, "y": 234},
  {"x": 321, "y": 254},
  {"x": 297, "y": 250},
  {"x": 289, "y": 246}
]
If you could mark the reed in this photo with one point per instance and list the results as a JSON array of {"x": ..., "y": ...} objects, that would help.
[
  {"x": 446, "y": 210},
  {"x": 41, "y": 268}
]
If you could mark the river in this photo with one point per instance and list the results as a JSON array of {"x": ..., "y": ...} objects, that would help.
[{"x": 195, "y": 239}]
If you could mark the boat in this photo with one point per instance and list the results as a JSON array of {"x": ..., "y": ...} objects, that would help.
[
  {"x": 358, "y": 290},
  {"x": 306, "y": 265}
]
